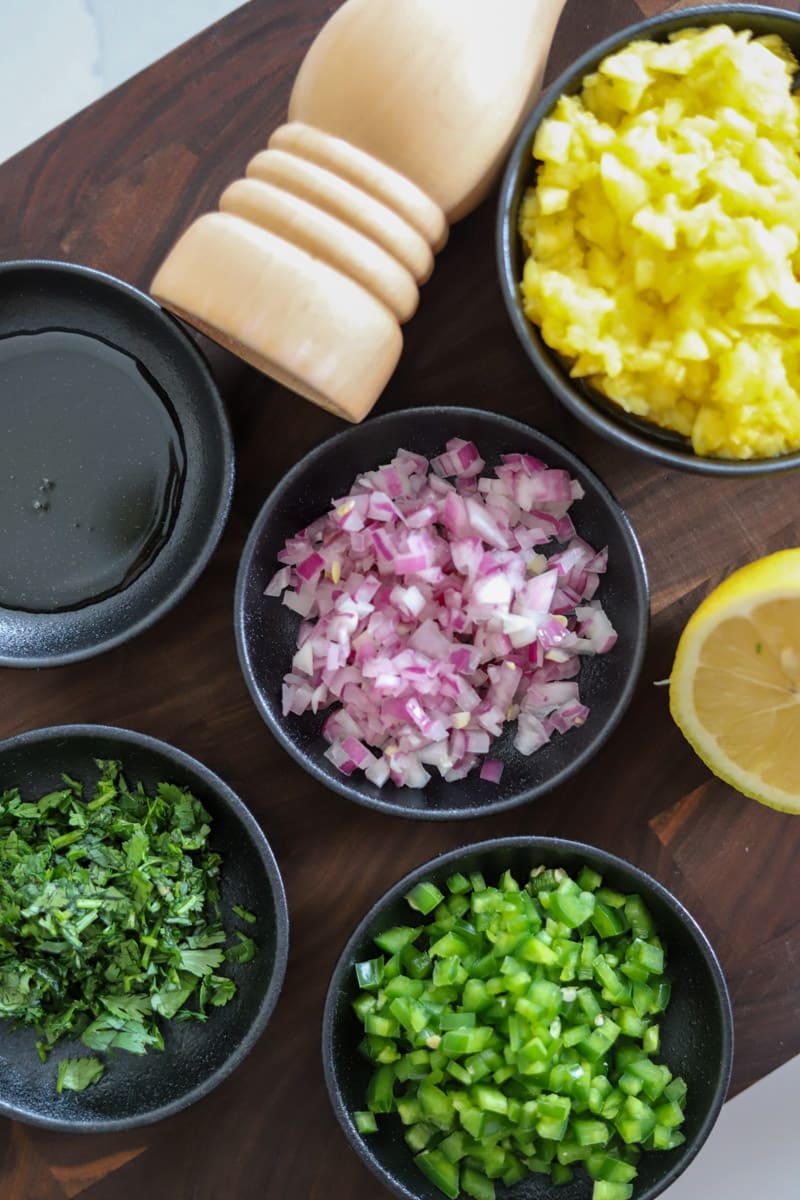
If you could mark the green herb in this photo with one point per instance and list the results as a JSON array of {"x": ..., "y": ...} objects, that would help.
[
  {"x": 514, "y": 1032},
  {"x": 244, "y": 914},
  {"x": 75, "y": 1074},
  {"x": 110, "y": 917},
  {"x": 244, "y": 951}
]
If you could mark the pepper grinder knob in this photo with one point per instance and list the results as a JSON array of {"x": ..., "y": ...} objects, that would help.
[{"x": 399, "y": 119}]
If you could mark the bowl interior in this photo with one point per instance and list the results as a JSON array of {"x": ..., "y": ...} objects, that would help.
[
  {"x": 135, "y": 1090},
  {"x": 590, "y": 405},
  {"x": 121, "y": 468},
  {"x": 696, "y": 1031},
  {"x": 266, "y": 629}
]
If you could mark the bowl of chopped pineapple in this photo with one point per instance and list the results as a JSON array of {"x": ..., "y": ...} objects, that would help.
[{"x": 648, "y": 239}]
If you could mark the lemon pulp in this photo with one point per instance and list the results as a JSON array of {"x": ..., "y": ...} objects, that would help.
[{"x": 735, "y": 684}]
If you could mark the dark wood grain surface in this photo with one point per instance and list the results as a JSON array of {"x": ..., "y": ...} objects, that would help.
[{"x": 112, "y": 188}]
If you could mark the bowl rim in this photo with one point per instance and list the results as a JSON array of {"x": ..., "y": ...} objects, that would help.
[
  {"x": 552, "y": 845},
  {"x": 223, "y": 438},
  {"x": 543, "y": 358},
  {"x": 344, "y": 787},
  {"x": 234, "y": 804}
]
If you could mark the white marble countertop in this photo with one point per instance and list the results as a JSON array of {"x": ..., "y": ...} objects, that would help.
[{"x": 60, "y": 55}]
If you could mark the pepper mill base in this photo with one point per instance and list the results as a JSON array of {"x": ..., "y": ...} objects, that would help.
[
  {"x": 309, "y": 268},
  {"x": 399, "y": 119}
]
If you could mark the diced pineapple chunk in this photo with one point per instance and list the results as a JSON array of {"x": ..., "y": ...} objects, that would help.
[
  {"x": 659, "y": 227},
  {"x": 552, "y": 199},
  {"x": 625, "y": 189},
  {"x": 689, "y": 344},
  {"x": 552, "y": 141},
  {"x": 664, "y": 237}
]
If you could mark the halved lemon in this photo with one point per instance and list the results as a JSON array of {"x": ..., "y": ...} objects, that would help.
[{"x": 734, "y": 690}]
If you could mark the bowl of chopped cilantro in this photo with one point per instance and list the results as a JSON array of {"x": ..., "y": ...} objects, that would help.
[
  {"x": 528, "y": 1018},
  {"x": 143, "y": 929}
]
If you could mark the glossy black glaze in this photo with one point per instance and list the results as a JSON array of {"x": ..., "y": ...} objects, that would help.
[
  {"x": 136, "y": 1090},
  {"x": 116, "y": 470},
  {"x": 266, "y": 630},
  {"x": 584, "y": 401},
  {"x": 696, "y": 1030}
]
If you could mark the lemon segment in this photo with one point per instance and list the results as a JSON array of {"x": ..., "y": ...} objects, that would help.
[{"x": 735, "y": 683}]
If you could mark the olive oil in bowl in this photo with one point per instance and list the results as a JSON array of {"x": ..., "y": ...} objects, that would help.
[{"x": 92, "y": 467}]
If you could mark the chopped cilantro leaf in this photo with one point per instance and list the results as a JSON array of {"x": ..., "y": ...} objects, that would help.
[
  {"x": 131, "y": 1007},
  {"x": 201, "y": 962},
  {"x": 118, "y": 1033},
  {"x": 245, "y": 914},
  {"x": 244, "y": 951},
  {"x": 222, "y": 990},
  {"x": 171, "y": 998},
  {"x": 110, "y": 917},
  {"x": 75, "y": 1074}
]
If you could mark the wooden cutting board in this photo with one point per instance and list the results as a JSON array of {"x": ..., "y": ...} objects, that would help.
[{"x": 112, "y": 188}]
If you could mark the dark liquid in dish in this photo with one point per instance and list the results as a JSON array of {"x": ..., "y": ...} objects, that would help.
[{"x": 92, "y": 466}]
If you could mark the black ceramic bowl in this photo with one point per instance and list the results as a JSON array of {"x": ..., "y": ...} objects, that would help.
[
  {"x": 696, "y": 1030},
  {"x": 266, "y": 630},
  {"x": 136, "y": 1090},
  {"x": 583, "y": 401},
  {"x": 116, "y": 463}
]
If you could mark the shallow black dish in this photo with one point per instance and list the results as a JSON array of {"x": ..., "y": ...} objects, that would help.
[
  {"x": 583, "y": 401},
  {"x": 136, "y": 1090},
  {"x": 266, "y": 630},
  {"x": 696, "y": 1031},
  {"x": 116, "y": 463}
]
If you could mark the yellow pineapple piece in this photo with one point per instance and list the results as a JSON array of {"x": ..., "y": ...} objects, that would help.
[
  {"x": 664, "y": 234},
  {"x": 552, "y": 142},
  {"x": 624, "y": 188}
]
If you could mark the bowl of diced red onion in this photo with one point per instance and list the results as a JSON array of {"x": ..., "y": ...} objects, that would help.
[{"x": 441, "y": 613}]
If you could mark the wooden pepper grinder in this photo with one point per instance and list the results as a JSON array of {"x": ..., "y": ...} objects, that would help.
[{"x": 399, "y": 119}]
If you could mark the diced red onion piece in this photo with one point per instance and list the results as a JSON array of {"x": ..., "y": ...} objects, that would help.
[
  {"x": 279, "y": 581},
  {"x": 431, "y": 618},
  {"x": 492, "y": 770}
]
